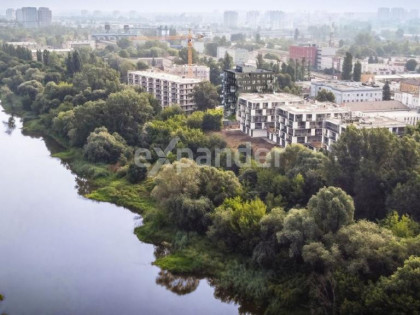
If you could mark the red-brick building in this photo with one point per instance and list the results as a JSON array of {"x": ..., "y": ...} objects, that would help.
[{"x": 307, "y": 52}]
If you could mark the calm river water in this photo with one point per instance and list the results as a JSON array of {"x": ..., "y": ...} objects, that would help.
[{"x": 61, "y": 253}]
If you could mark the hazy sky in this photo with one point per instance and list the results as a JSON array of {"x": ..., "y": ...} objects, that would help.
[{"x": 212, "y": 5}]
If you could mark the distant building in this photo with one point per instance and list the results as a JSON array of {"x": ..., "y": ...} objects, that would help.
[
  {"x": 247, "y": 80},
  {"x": 398, "y": 13},
  {"x": 198, "y": 71},
  {"x": 347, "y": 92},
  {"x": 240, "y": 56},
  {"x": 10, "y": 14},
  {"x": 80, "y": 44},
  {"x": 252, "y": 19},
  {"x": 409, "y": 93},
  {"x": 275, "y": 19},
  {"x": 29, "y": 17},
  {"x": 307, "y": 52},
  {"x": 384, "y": 14},
  {"x": 44, "y": 17},
  {"x": 326, "y": 58},
  {"x": 28, "y": 45},
  {"x": 230, "y": 19},
  {"x": 19, "y": 16},
  {"x": 168, "y": 89}
]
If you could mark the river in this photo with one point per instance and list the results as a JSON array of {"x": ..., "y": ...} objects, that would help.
[{"x": 61, "y": 253}]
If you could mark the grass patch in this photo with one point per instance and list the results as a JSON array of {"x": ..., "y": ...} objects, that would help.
[
  {"x": 179, "y": 264},
  {"x": 122, "y": 193}
]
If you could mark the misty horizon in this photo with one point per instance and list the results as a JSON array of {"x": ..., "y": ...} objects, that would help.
[{"x": 211, "y": 7}]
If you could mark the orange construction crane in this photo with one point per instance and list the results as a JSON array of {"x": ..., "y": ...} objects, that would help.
[{"x": 188, "y": 37}]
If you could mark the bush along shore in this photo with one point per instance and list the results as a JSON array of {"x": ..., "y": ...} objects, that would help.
[{"x": 307, "y": 232}]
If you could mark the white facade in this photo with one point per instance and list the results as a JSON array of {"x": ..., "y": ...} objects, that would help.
[
  {"x": 326, "y": 58},
  {"x": 347, "y": 92},
  {"x": 256, "y": 112},
  {"x": 81, "y": 44},
  {"x": 333, "y": 128},
  {"x": 198, "y": 71},
  {"x": 168, "y": 89},
  {"x": 240, "y": 56},
  {"x": 409, "y": 99}
]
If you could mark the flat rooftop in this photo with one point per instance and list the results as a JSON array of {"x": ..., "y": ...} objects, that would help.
[
  {"x": 295, "y": 104},
  {"x": 376, "y": 106},
  {"x": 314, "y": 107},
  {"x": 166, "y": 76},
  {"x": 346, "y": 86},
  {"x": 397, "y": 77},
  {"x": 370, "y": 122},
  {"x": 277, "y": 97}
]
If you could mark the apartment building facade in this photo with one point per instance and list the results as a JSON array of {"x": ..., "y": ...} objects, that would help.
[
  {"x": 309, "y": 53},
  {"x": 347, "y": 92},
  {"x": 168, "y": 89},
  {"x": 334, "y": 127},
  {"x": 287, "y": 119},
  {"x": 256, "y": 112},
  {"x": 244, "y": 80}
]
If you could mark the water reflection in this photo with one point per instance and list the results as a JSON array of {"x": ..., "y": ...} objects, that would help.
[
  {"x": 10, "y": 125},
  {"x": 180, "y": 285}
]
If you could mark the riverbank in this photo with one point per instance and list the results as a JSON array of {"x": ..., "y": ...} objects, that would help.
[{"x": 181, "y": 253}]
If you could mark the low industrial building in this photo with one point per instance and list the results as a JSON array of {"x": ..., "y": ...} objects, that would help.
[
  {"x": 347, "y": 92},
  {"x": 168, "y": 89}
]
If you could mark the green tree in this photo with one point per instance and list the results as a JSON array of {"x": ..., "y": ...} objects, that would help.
[
  {"x": 332, "y": 208},
  {"x": 136, "y": 173},
  {"x": 299, "y": 229},
  {"x": 124, "y": 43},
  {"x": 357, "y": 73},
  {"x": 227, "y": 62},
  {"x": 205, "y": 96},
  {"x": 347, "y": 67},
  {"x": 46, "y": 57},
  {"x": 183, "y": 55},
  {"x": 386, "y": 94},
  {"x": 103, "y": 147},
  {"x": 125, "y": 112},
  {"x": 236, "y": 223},
  {"x": 325, "y": 96},
  {"x": 411, "y": 65},
  {"x": 399, "y": 293}
]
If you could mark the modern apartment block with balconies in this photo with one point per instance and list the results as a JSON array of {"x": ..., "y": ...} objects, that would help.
[
  {"x": 303, "y": 122},
  {"x": 168, "y": 89},
  {"x": 244, "y": 80},
  {"x": 257, "y": 112}
]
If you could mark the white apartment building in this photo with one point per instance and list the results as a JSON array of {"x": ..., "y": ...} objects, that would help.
[
  {"x": 285, "y": 118},
  {"x": 168, "y": 89},
  {"x": 410, "y": 99},
  {"x": 391, "y": 109},
  {"x": 256, "y": 112},
  {"x": 198, "y": 71},
  {"x": 326, "y": 58},
  {"x": 303, "y": 123},
  {"x": 334, "y": 127},
  {"x": 240, "y": 56},
  {"x": 347, "y": 92}
]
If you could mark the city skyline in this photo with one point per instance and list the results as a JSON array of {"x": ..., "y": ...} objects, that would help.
[{"x": 217, "y": 5}]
